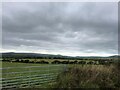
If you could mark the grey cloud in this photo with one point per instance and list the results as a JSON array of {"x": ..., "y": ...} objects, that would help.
[{"x": 68, "y": 27}]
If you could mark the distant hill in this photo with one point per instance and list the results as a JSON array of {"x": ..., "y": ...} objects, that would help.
[
  {"x": 31, "y": 55},
  {"x": 115, "y": 56},
  {"x": 49, "y": 56}
]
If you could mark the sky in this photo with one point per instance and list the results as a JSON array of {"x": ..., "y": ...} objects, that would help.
[{"x": 66, "y": 28}]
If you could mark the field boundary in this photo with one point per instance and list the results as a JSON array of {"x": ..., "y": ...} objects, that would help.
[{"x": 30, "y": 77}]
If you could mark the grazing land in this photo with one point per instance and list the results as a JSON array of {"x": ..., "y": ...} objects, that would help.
[
  {"x": 60, "y": 72},
  {"x": 29, "y": 75}
]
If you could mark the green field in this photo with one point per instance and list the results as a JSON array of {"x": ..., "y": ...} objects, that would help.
[
  {"x": 29, "y": 73},
  {"x": 22, "y": 75}
]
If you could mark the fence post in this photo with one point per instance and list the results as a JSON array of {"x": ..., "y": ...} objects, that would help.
[
  {"x": 47, "y": 73},
  {"x": 29, "y": 77},
  {"x": 65, "y": 68}
]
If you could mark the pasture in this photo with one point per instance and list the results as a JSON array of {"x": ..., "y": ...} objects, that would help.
[
  {"x": 20, "y": 75},
  {"x": 59, "y": 75}
]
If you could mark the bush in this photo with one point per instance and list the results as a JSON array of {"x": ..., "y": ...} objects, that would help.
[
  {"x": 43, "y": 62},
  {"x": 26, "y": 61},
  {"x": 17, "y": 60},
  {"x": 91, "y": 76},
  {"x": 56, "y": 62},
  {"x": 82, "y": 62},
  {"x": 65, "y": 62}
]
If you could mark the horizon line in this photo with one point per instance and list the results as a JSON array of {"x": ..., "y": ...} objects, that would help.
[{"x": 67, "y": 55}]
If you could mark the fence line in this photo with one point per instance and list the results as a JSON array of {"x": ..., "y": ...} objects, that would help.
[
  {"x": 5, "y": 80},
  {"x": 30, "y": 67},
  {"x": 28, "y": 78},
  {"x": 27, "y": 71},
  {"x": 25, "y": 76}
]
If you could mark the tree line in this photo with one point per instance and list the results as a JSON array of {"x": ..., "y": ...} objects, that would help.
[{"x": 83, "y": 62}]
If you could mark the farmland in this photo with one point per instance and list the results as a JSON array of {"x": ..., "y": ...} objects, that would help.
[
  {"x": 59, "y": 72},
  {"x": 20, "y": 74},
  {"x": 56, "y": 59}
]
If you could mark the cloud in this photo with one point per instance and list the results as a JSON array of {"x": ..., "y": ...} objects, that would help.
[{"x": 61, "y": 28}]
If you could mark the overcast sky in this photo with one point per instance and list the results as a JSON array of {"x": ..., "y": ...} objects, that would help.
[{"x": 76, "y": 29}]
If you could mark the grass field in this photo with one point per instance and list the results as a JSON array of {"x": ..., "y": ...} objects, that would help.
[
  {"x": 26, "y": 72},
  {"x": 60, "y": 75}
]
